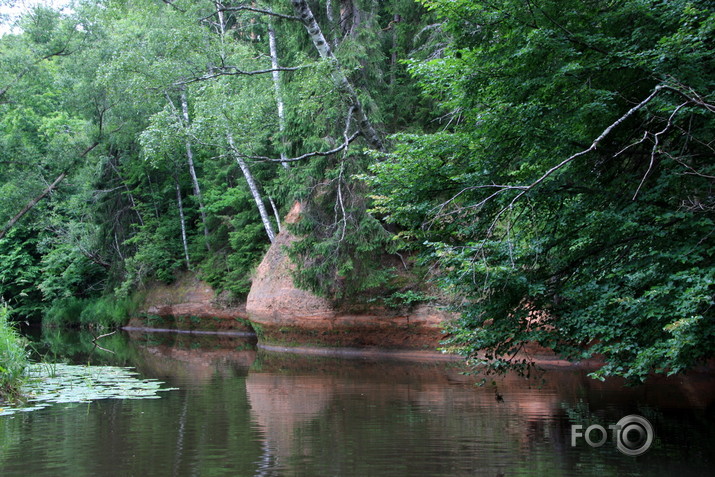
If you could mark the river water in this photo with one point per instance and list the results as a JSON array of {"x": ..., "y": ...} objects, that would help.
[{"x": 242, "y": 411}]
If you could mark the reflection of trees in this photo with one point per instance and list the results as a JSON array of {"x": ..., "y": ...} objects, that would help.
[
  {"x": 287, "y": 415},
  {"x": 352, "y": 417}
]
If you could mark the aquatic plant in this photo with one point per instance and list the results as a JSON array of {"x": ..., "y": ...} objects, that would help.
[{"x": 60, "y": 383}]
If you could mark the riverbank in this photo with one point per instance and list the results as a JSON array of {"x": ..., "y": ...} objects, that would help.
[{"x": 13, "y": 358}]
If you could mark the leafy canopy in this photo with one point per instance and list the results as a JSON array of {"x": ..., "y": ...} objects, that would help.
[{"x": 569, "y": 199}]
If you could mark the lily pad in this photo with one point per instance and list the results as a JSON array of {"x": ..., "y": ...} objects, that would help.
[{"x": 65, "y": 383}]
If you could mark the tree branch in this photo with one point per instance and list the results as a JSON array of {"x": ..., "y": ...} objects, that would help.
[
  {"x": 692, "y": 99},
  {"x": 19, "y": 76},
  {"x": 172, "y": 5},
  {"x": 30, "y": 205},
  {"x": 306, "y": 155},
  {"x": 656, "y": 143},
  {"x": 259, "y": 10},
  {"x": 235, "y": 71}
]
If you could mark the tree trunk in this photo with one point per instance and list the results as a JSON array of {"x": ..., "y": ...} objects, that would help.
[
  {"x": 350, "y": 17},
  {"x": 393, "y": 53},
  {"x": 11, "y": 223},
  {"x": 265, "y": 218},
  {"x": 183, "y": 224},
  {"x": 333, "y": 27},
  {"x": 303, "y": 11},
  {"x": 192, "y": 169},
  {"x": 275, "y": 213},
  {"x": 32, "y": 204},
  {"x": 278, "y": 89}
]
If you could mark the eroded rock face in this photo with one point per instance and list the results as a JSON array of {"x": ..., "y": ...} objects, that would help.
[
  {"x": 287, "y": 314},
  {"x": 274, "y": 298},
  {"x": 189, "y": 303}
]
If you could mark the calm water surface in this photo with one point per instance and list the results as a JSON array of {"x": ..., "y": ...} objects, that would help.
[{"x": 246, "y": 412}]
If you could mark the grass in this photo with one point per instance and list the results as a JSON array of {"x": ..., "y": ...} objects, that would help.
[{"x": 13, "y": 358}]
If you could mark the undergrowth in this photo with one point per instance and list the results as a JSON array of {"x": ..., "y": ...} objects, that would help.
[
  {"x": 13, "y": 358},
  {"x": 106, "y": 312}
]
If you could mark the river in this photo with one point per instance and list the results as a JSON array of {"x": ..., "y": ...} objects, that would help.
[{"x": 243, "y": 411}]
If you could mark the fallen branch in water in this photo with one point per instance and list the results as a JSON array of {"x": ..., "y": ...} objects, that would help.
[{"x": 96, "y": 338}]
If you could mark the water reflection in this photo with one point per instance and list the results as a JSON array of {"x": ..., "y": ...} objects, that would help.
[{"x": 246, "y": 412}]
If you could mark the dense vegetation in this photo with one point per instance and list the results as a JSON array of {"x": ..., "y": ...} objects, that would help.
[
  {"x": 549, "y": 165},
  {"x": 13, "y": 358}
]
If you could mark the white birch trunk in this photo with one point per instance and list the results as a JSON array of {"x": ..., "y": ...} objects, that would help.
[
  {"x": 183, "y": 224},
  {"x": 275, "y": 213},
  {"x": 192, "y": 169},
  {"x": 222, "y": 29},
  {"x": 304, "y": 12},
  {"x": 265, "y": 218},
  {"x": 278, "y": 89}
]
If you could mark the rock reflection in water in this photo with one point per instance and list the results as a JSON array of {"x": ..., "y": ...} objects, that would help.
[
  {"x": 431, "y": 420},
  {"x": 240, "y": 411},
  {"x": 366, "y": 416},
  {"x": 191, "y": 357}
]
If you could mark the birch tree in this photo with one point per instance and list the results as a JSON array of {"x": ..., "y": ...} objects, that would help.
[
  {"x": 192, "y": 169},
  {"x": 304, "y": 12},
  {"x": 265, "y": 218},
  {"x": 182, "y": 221},
  {"x": 278, "y": 87}
]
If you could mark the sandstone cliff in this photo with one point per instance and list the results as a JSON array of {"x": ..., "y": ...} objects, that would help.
[
  {"x": 288, "y": 315},
  {"x": 189, "y": 304}
]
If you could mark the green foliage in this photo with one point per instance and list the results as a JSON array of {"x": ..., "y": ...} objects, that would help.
[
  {"x": 343, "y": 252},
  {"x": 13, "y": 357},
  {"x": 406, "y": 299},
  {"x": 19, "y": 272},
  {"x": 606, "y": 254},
  {"x": 97, "y": 97},
  {"x": 64, "y": 312},
  {"x": 238, "y": 241},
  {"x": 108, "y": 312}
]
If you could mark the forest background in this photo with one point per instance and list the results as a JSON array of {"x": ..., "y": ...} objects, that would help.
[{"x": 543, "y": 167}]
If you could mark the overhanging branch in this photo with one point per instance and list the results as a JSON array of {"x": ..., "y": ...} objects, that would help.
[{"x": 692, "y": 99}]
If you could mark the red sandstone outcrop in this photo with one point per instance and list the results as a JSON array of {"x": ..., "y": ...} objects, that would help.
[
  {"x": 191, "y": 303},
  {"x": 273, "y": 297},
  {"x": 288, "y": 314}
]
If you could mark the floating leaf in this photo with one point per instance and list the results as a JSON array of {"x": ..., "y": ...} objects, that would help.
[{"x": 64, "y": 383}]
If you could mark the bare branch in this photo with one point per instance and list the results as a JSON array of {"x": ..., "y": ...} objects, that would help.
[
  {"x": 259, "y": 10},
  {"x": 33, "y": 202},
  {"x": 573, "y": 157},
  {"x": 235, "y": 71},
  {"x": 307, "y": 155},
  {"x": 692, "y": 98},
  {"x": 656, "y": 143},
  {"x": 248, "y": 8},
  {"x": 172, "y": 5},
  {"x": 693, "y": 172}
]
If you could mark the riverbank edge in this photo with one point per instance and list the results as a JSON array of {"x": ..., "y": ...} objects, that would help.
[{"x": 541, "y": 359}]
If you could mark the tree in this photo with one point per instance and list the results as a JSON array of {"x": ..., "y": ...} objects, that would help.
[
  {"x": 142, "y": 139},
  {"x": 569, "y": 200}
]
